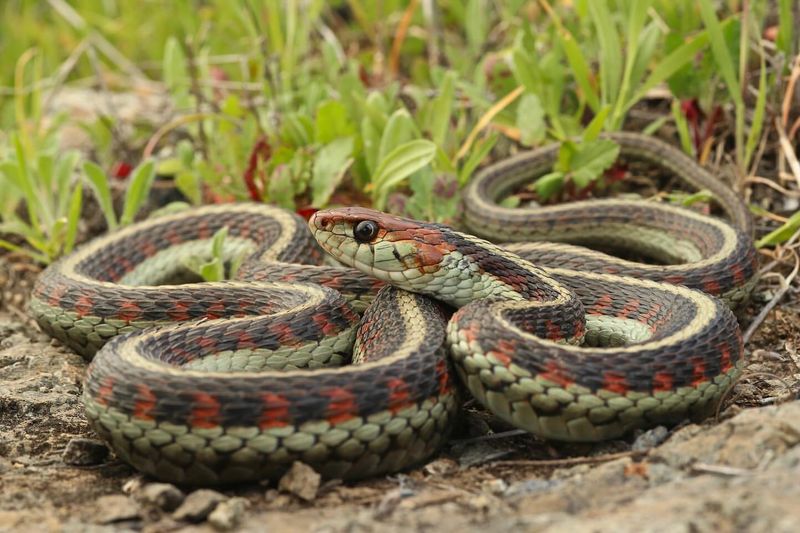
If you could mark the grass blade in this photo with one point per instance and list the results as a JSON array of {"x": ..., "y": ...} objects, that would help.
[
  {"x": 99, "y": 183},
  {"x": 610, "y": 50},
  {"x": 399, "y": 165},
  {"x": 141, "y": 181}
]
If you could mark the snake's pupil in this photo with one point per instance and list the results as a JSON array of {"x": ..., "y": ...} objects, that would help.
[{"x": 365, "y": 231}]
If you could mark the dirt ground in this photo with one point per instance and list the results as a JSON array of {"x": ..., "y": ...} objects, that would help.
[{"x": 738, "y": 472}]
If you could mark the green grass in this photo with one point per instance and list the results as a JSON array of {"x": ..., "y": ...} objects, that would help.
[{"x": 389, "y": 103}]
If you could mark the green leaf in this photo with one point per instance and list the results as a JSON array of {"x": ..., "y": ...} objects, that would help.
[
  {"x": 530, "y": 120},
  {"x": 719, "y": 47},
  {"x": 595, "y": 127},
  {"x": 786, "y": 25},
  {"x": 754, "y": 135},
  {"x": 591, "y": 159},
  {"x": 141, "y": 180},
  {"x": 399, "y": 130},
  {"x": 65, "y": 167},
  {"x": 281, "y": 187},
  {"x": 442, "y": 109},
  {"x": 683, "y": 128},
  {"x": 478, "y": 153},
  {"x": 99, "y": 184},
  {"x": 330, "y": 166},
  {"x": 580, "y": 69},
  {"x": 189, "y": 183},
  {"x": 610, "y": 50},
  {"x": 671, "y": 64},
  {"x": 549, "y": 185},
  {"x": 332, "y": 122},
  {"x": 73, "y": 218},
  {"x": 370, "y": 136},
  {"x": 648, "y": 41},
  {"x": 476, "y": 24},
  {"x": 782, "y": 234},
  {"x": 398, "y": 165}
]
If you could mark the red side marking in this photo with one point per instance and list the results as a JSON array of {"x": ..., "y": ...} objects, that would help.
[
  {"x": 502, "y": 350},
  {"x": 738, "y": 274},
  {"x": 274, "y": 411},
  {"x": 149, "y": 249},
  {"x": 631, "y": 307},
  {"x": 675, "y": 280},
  {"x": 398, "y": 394},
  {"x": 105, "y": 391},
  {"x": 245, "y": 340},
  {"x": 649, "y": 315},
  {"x": 179, "y": 311},
  {"x": 711, "y": 286},
  {"x": 615, "y": 383},
  {"x": 443, "y": 374},
  {"x": 471, "y": 332},
  {"x": 127, "y": 264},
  {"x": 244, "y": 229},
  {"x": 144, "y": 403},
  {"x": 203, "y": 231},
  {"x": 554, "y": 332},
  {"x": 284, "y": 334},
  {"x": 215, "y": 310},
  {"x": 129, "y": 311},
  {"x": 555, "y": 372},
  {"x": 580, "y": 330},
  {"x": 173, "y": 237},
  {"x": 84, "y": 305},
  {"x": 182, "y": 356},
  {"x": 55, "y": 296},
  {"x": 207, "y": 342},
  {"x": 601, "y": 305},
  {"x": 205, "y": 411},
  {"x": 342, "y": 405},
  {"x": 725, "y": 363},
  {"x": 698, "y": 371},
  {"x": 326, "y": 326},
  {"x": 662, "y": 382}
]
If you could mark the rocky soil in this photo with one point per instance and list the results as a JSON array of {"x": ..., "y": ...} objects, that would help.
[{"x": 738, "y": 472}]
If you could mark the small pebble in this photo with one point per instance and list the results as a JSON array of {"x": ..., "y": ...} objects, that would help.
[
  {"x": 301, "y": 480},
  {"x": 650, "y": 439},
  {"x": 495, "y": 486},
  {"x": 115, "y": 508},
  {"x": 198, "y": 505},
  {"x": 84, "y": 452},
  {"x": 228, "y": 514},
  {"x": 162, "y": 495}
]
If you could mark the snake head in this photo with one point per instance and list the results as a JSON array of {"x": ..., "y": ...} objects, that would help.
[{"x": 388, "y": 247}]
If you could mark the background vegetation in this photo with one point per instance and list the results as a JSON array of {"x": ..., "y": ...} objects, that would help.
[{"x": 393, "y": 104}]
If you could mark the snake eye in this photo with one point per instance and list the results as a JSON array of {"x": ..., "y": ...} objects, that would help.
[{"x": 365, "y": 231}]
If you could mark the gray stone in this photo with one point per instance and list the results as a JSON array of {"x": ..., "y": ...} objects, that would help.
[
  {"x": 228, "y": 514},
  {"x": 162, "y": 495},
  {"x": 84, "y": 452},
  {"x": 301, "y": 480},
  {"x": 116, "y": 508},
  {"x": 198, "y": 505}
]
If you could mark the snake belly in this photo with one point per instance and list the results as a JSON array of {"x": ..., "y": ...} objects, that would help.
[{"x": 218, "y": 383}]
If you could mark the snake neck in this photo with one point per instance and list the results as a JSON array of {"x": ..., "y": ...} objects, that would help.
[{"x": 473, "y": 269}]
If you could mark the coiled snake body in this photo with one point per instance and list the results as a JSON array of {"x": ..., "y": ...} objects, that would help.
[{"x": 233, "y": 381}]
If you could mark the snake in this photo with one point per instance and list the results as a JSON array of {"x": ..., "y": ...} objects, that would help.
[{"x": 348, "y": 341}]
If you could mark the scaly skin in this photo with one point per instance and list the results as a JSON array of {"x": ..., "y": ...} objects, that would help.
[{"x": 226, "y": 382}]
